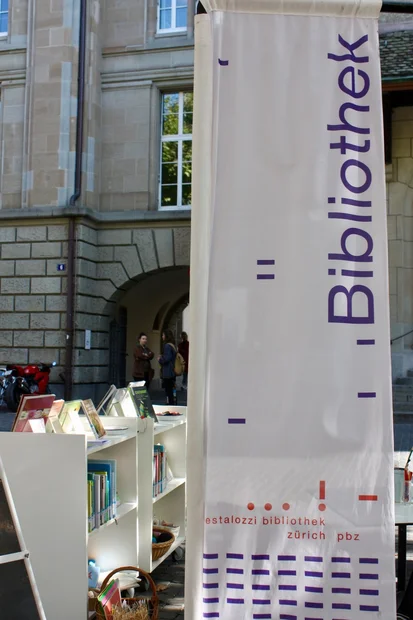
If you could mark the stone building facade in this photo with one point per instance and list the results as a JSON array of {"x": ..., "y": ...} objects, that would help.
[{"x": 125, "y": 265}]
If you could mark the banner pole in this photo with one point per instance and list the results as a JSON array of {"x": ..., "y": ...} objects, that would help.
[{"x": 200, "y": 255}]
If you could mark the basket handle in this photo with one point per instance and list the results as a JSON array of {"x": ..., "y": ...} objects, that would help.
[{"x": 134, "y": 568}]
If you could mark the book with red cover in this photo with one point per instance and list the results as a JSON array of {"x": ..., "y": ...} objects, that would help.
[
  {"x": 110, "y": 598},
  {"x": 32, "y": 407}
]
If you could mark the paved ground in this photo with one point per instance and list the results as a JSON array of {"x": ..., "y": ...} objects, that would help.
[{"x": 171, "y": 575}]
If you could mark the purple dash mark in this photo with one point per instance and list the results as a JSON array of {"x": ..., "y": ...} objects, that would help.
[
  {"x": 331, "y": 272},
  {"x": 368, "y": 576},
  {"x": 237, "y": 421},
  {"x": 267, "y": 616},
  {"x": 287, "y": 617},
  {"x": 287, "y": 558},
  {"x": 210, "y": 586},
  {"x": 210, "y": 571},
  {"x": 266, "y": 262},
  {"x": 223, "y": 63},
  {"x": 287, "y": 587},
  {"x": 340, "y": 575},
  {"x": 369, "y": 608},
  {"x": 235, "y": 556},
  {"x": 368, "y": 560},
  {"x": 369, "y": 592},
  {"x": 235, "y": 586},
  {"x": 313, "y": 573},
  {"x": 366, "y": 395},
  {"x": 256, "y": 586},
  {"x": 260, "y": 557},
  {"x": 311, "y": 558},
  {"x": 212, "y": 614},
  {"x": 341, "y": 590},
  {"x": 331, "y": 200},
  {"x": 210, "y": 556},
  {"x": 265, "y": 276},
  {"x": 366, "y": 342},
  {"x": 341, "y": 606},
  {"x": 209, "y": 601},
  {"x": 235, "y": 571},
  {"x": 261, "y": 571},
  {"x": 287, "y": 602},
  {"x": 341, "y": 560},
  {"x": 235, "y": 601},
  {"x": 261, "y": 601},
  {"x": 291, "y": 573},
  {"x": 314, "y": 605},
  {"x": 313, "y": 589}
]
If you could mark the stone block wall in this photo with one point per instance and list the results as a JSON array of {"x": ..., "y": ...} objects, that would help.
[
  {"x": 400, "y": 235},
  {"x": 33, "y": 294}
]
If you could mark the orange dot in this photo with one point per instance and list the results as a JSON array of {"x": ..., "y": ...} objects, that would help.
[
  {"x": 286, "y": 506},
  {"x": 268, "y": 506},
  {"x": 250, "y": 506},
  {"x": 322, "y": 507}
]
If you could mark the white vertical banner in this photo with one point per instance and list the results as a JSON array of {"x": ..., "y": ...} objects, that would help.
[{"x": 297, "y": 468}]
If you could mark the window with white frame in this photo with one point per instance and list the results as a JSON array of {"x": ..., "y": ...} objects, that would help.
[
  {"x": 176, "y": 151},
  {"x": 172, "y": 15},
  {"x": 4, "y": 17}
]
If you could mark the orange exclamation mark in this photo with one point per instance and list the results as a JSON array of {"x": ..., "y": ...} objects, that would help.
[{"x": 322, "y": 507}]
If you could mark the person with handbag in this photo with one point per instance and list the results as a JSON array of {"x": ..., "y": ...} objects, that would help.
[
  {"x": 142, "y": 369},
  {"x": 167, "y": 362}
]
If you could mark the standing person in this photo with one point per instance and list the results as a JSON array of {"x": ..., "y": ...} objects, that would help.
[
  {"x": 167, "y": 362},
  {"x": 142, "y": 369},
  {"x": 183, "y": 348}
]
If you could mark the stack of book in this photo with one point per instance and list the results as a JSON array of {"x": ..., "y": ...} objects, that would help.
[
  {"x": 102, "y": 502},
  {"x": 160, "y": 469}
]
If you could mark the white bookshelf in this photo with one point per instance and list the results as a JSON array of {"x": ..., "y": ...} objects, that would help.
[
  {"x": 47, "y": 475},
  {"x": 47, "y": 478},
  {"x": 170, "y": 505}
]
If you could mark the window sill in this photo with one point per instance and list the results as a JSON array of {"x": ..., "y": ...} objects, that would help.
[
  {"x": 173, "y": 32},
  {"x": 184, "y": 209}
]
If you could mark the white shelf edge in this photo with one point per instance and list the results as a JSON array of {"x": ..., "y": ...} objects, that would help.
[
  {"x": 112, "y": 441},
  {"x": 123, "y": 510},
  {"x": 175, "y": 483},
  {"x": 166, "y": 426},
  {"x": 178, "y": 542}
]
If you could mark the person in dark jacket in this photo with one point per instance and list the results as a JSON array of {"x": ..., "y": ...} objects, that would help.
[
  {"x": 167, "y": 362},
  {"x": 142, "y": 369},
  {"x": 183, "y": 348}
]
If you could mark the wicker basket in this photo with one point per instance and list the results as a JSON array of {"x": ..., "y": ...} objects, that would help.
[
  {"x": 153, "y": 602},
  {"x": 159, "y": 549}
]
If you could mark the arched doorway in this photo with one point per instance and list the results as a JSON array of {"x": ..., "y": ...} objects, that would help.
[{"x": 150, "y": 304}]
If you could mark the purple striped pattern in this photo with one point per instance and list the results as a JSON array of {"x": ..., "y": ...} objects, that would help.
[
  {"x": 260, "y": 557},
  {"x": 235, "y": 556},
  {"x": 235, "y": 601},
  {"x": 235, "y": 571}
]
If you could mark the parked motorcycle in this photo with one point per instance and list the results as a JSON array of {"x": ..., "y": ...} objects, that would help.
[{"x": 32, "y": 379}]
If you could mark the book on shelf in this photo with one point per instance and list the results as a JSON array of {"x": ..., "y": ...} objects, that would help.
[
  {"x": 32, "y": 407},
  {"x": 94, "y": 420},
  {"x": 161, "y": 471},
  {"x": 141, "y": 400},
  {"x": 108, "y": 599},
  {"x": 69, "y": 417},
  {"x": 102, "y": 504},
  {"x": 53, "y": 425}
]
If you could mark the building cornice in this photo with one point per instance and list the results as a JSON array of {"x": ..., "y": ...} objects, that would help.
[{"x": 112, "y": 217}]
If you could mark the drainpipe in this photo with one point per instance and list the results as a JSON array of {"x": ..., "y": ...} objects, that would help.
[
  {"x": 80, "y": 102},
  {"x": 70, "y": 308},
  {"x": 71, "y": 258}
]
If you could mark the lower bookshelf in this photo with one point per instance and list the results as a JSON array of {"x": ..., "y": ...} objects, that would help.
[{"x": 47, "y": 476}]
